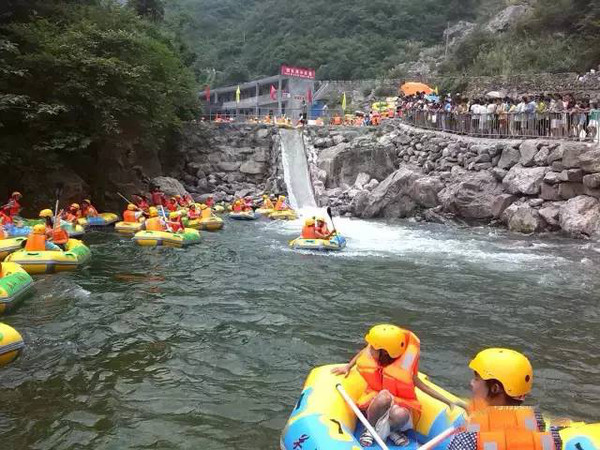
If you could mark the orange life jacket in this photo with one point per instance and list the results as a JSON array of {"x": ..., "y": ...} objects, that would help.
[
  {"x": 396, "y": 377},
  {"x": 154, "y": 224},
  {"x": 268, "y": 204},
  {"x": 322, "y": 229},
  {"x": 129, "y": 216},
  {"x": 90, "y": 211},
  {"x": 280, "y": 205},
  {"x": 237, "y": 207},
  {"x": 509, "y": 428},
  {"x": 308, "y": 232},
  {"x": 59, "y": 236},
  {"x": 337, "y": 120},
  {"x": 206, "y": 213},
  {"x": 36, "y": 243}
]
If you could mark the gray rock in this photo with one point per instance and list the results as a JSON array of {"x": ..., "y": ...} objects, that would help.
[
  {"x": 521, "y": 180},
  {"x": 262, "y": 133},
  {"x": 580, "y": 216},
  {"x": 550, "y": 214},
  {"x": 570, "y": 190},
  {"x": 558, "y": 166},
  {"x": 338, "y": 139},
  {"x": 535, "y": 202},
  {"x": 170, "y": 186},
  {"x": 549, "y": 192},
  {"x": 470, "y": 196},
  {"x": 591, "y": 192},
  {"x": 502, "y": 202},
  {"x": 509, "y": 212},
  {"x": 510, "y": 157},
  {"x": 371, "y": 185},
  {"x": 571, "y": 175},
  {"x": 583, "y": 156},
  {"x": 506, "y": 19},
  {"x": 499, "y": 174},
  {"x": 529, "y": 150},
  {"x": 362, "y": 179},
  {"x": 252, "y": 168},
  {"x": 552, "y": 178},
  {"x": 261, "y": 155},
  {"x": 229, "y": 166},
  {"x": 556, "y": 154},
  {"x": 541, "y": 158},
  {"x": 424, "y": 191},
  {"x": 525, "y": 219},
  {"x": 592, "y": 181}
]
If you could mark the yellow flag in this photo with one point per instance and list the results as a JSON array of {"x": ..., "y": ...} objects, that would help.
[
  {"x": 437, "y": 92},
  {"x": 237, "y": 95},
  {"x": 344, "y": 101}
]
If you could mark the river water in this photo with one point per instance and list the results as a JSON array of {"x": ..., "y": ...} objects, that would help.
[{"x": 208, "y": 347}]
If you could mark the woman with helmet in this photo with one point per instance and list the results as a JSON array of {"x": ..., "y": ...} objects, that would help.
[
  {"x": 321, "y": 230},
  {"x": 308, "y": 230},
  {"x": 281, "y": 204},
  {"x": 154, "y": 223},
  {"x": 175, "y": 224},
  {"x": 267, "y": 203},
  {"x": 53, "y": 231},
  {"x": 132, "y": 214},
  {"x": 72, "y": 213},
  {"x": 36, "y": 241},
  {"x": 87, "y": 210},
  {"x": 390, "y": 366},
  {"x": 13, "y": 207},
  {"x": 502, "y": 378}
]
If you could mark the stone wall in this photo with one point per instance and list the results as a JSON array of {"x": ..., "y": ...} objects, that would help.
[
  {"x": 229, "y": 160},
  {"x": 398, "y": 171}
]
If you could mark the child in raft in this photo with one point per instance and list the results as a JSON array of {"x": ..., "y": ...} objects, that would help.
[{"x": 390, "y": 366}]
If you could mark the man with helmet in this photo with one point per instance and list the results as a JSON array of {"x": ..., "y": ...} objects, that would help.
[
  {"x": 308, "y": 230},
  {"x": 53, "y": 230},
  {"x": 155, "y": 223},
  {"x": 502, "y": 378},
  {"x": 321, "y": 230},
  {"x": 72, "y": 213},
  {"x": 13, "y": 207},
  {"x": 87, "y": 210},
  {"x": 267, "y": 203},
  {"x": 390, "y": 366},
  {"x": 281, "y": 204},
  {"x": 132, "y": 214},
  {"x": 175, "y": 223},
  {"x": 36, "y": 241}
]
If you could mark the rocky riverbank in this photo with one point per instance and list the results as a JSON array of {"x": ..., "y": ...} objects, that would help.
[{"x": 397, "y": 171}]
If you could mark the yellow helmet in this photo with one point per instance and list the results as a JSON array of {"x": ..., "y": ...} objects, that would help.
[
  {"x": 87, "y": 200},
  {"x": 39, "y": 229},
  {"x": 75, "y": 205},
  {"x": 46, "y": 213},
  {"x": 309, "y": 222},
  {"x": 282, "y": 197},
  {"x": 131, "y": 207},
  {"x": 509, "y": 367},
  {"x": 173, "y": 215},
  {"x": 390, "y": 338},
  {"x": 203, "y": 206},
  {"x": 321, "y": 219},
  {"x": 153, "y": 211},
  {"x": 16, "y": 194}
]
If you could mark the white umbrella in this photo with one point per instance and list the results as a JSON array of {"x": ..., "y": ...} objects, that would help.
[{"x": 496, "y": 94}]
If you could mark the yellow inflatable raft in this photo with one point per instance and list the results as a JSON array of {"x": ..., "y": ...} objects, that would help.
[
  {"x": 15, "y": 284},
  {"x": 41, "y": 262},
  {"x": 213, "y": 223},
  {"x": 101, "y": 220},
  {"x": 288, "y": 214},
  {"x": 11, "y": 344},
  {"x": 243, "y": 215},
  {"x": 129, "y": 228},
  {"x": 8, "y": 246},
  {"x": 335, "y": 243},
  {"x": 264, "y": 211},
  {"x": 219, "y": 209},
  {"x": 322, "y": 419},
  {"x": 167, "y": 239}
]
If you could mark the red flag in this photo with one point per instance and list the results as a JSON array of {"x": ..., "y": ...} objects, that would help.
[
  {"x": 309, "y": 96},
  {"x": 273, "y": 93},
  {"x": 207, "y": 93}
]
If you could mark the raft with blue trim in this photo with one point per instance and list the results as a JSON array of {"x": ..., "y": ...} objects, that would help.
[
  {"x": 101, "y": 220},
  {"x": 167, "y": 239},
  {"x": 73, "y": 230},
  {"x": 15, "y": 284},
  {"x": 243, "y": 215},
  {"x": 322, "y": 419},
  {"x": 10, "y": 245},
  {"x": 129, "y": 228},
  {"x": 52, "y": 261},
  {"x": 11, "y": 344},
  {"x": 14, "y": 231},
  {"x": 335, "y": 243},
  {"x": 288, "y": 214}
]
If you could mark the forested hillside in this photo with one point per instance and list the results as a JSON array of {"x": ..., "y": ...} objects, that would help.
[{"x": 236, "y": 40}]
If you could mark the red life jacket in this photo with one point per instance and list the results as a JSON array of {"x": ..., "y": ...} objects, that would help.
[
  {"x": 157, "y": 198},
  {"x": 143, "y": 205},
  {"x": 129, "y": 216},
  {"x": 13, "y": 207},
  {"x": 308, "y": 232},
  {"x": 193, "y": 214},
  {"x": 176, "y": 226},
  {"x": 59, "y": 236},
  {"x": 172, "y": 206},
  {"x": 209, "y": 202},
  {"x": 396, "y": 377},
  {"x": 36, "y": 243},
  {"x": 237, "y": 207},
  {"x": 89, "y": 211},
  {"x": 4, "y": 219}
]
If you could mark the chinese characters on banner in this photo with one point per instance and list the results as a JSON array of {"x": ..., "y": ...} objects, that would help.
[{"x": 298, "y": 72}]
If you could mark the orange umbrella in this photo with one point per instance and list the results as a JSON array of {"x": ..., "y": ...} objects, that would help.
[{"x": 412, "y": 88}]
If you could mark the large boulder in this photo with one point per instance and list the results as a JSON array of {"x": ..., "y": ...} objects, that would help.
[
  {"x": 471, "y": 195},
  {"x": 345, "y": 161},
  {"x": 528, "y": 150},
  {"x": 524, "y": 180},
  {"x": 510, "y": 157},
  {"x": 580, "y": 216},
  {"x": 170, "y": 186},
  {"x": 525, "y": 219},
  {"x": 425, "y": 191},
  {"x": 252, "y": 168},
  {"x": 391, "y": 198},
  {"x": 582, "y": 156}
]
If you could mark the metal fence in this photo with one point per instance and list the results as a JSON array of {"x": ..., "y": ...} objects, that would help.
[{"x": 567, "y": 125}]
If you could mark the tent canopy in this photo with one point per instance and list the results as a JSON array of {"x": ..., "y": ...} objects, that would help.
[{"x": 411, "y": 88}]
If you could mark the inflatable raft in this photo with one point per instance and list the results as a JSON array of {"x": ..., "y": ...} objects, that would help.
[
  {"x": 166, "y": 238},
  {"x": 102, "y": 220},
  {"x": 73, "y": 230},
  {"x": 15, "y": 284},
  {"x": 335, "y": 243},
  {"x": 209, "y": 224},
  {"x": 15, "y": 231},
  {"x": 10, "y": 245},
  {"x": 264, "y": 211},
  {"x": 47, "y": 261},
  {"x": 288, "y": 214},
  {"x": 219, "y": 209},
  {"x": 129, "y": 228},
  {"x": 244, "y": 215},
  {"x": 11, "y": 344},
  {"x": 322, "y": 419}
]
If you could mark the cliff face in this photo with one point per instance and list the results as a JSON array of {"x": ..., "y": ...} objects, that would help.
[{"x": 398, "y": 171}]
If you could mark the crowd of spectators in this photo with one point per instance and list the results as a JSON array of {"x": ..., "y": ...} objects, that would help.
[{"x": 556, "y": 115}]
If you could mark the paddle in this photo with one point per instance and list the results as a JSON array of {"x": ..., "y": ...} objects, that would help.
[
  {"x": 169, "y": 229},
  {"x": 334, "y": 232},
  {"x": 131, "y": 203},
  {"x": 57, "y": 193}
]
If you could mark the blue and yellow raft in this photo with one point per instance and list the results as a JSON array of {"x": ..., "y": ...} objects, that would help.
[
  {"x": 321, "y": 418},
  {"x": 334, "y": 243}
]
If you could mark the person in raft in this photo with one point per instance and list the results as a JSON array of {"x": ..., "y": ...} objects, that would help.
[
  {"x": 132, "y": 214},
  {"x": 193, "y": 212},
  {"x": 175, "y": 225},
  {"x": 13, "y": 207},
  {"x": 281, "y": 204},
  {"x": 308, "y": 230},
  {"x": 267, "y": 203},
  {"x": 321, "y": 230},
  {"x": 390, "y": 366},
  {"x": 87, "y": 210},
  {"x": 72, "y": 213},
  {"x": 37, "y": 242},
  {"x": 502, "y": 379},
  {"x": 57, "y": 234}
]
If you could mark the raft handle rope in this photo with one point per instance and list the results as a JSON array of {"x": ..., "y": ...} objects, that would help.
[{"x": 361, "y": 417}]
